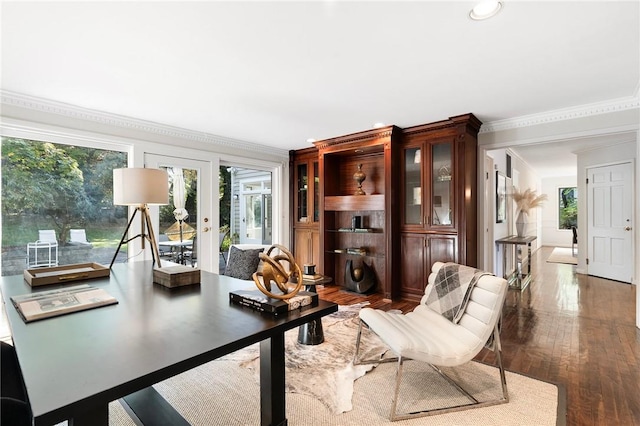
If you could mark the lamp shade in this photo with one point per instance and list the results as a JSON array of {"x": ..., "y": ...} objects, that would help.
[{"x": 135, "y": 186}]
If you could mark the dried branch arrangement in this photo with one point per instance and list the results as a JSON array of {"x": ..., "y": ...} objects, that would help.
[{"x": 528, "y": 199}]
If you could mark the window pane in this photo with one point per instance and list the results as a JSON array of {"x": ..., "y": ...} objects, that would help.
[
  {"x": 568, "y": 208},
  {"x": 57, "y": 205}
]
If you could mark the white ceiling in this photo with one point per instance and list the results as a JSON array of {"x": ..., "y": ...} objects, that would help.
[{"x": 278, "y": 73}]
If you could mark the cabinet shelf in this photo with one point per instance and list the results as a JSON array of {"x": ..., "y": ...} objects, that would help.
[
  {"x": 354, "y": 202},
  {"x": 344, "y": 252},
  {"x": 365, "y": 231}
]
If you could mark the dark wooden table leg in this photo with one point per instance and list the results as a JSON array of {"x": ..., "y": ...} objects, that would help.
[
  {"x": 272, "y": 399},
  {"x": 98, "y": 416}
]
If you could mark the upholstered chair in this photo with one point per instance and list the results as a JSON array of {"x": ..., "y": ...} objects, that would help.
[{"x": 427, "y": 336}]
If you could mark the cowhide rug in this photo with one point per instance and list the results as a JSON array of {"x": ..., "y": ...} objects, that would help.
[{"x": 325, "y": 371}]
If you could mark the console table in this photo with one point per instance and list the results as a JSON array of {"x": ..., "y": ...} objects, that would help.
[
  {"x": 74, "y": 365},
  {"x": 518, "y": 278}
]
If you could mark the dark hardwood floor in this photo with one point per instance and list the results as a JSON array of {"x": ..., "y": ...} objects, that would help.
[{"x": 574, "y": 330}]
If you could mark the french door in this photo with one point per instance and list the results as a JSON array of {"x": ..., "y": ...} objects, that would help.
[{"x": 201, "y": 219}]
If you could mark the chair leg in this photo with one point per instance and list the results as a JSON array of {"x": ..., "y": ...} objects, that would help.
[
  {"x": 498, "y": 352},
  {"x": 474, "y": 402},
  {"x": 396, "y": 393},
  {"x": 357, "y": 361}
]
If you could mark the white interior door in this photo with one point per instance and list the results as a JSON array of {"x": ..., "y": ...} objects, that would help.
[
  {"x": 203, "y": 214},
  {"x": 610, "y": 228}
]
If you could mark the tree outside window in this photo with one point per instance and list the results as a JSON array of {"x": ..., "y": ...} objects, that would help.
[
  {"x": 568, "y": 208},
  {"x": 49, "y": 186}
]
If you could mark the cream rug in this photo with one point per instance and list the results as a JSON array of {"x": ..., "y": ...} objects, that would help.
[
  {"x": 226, "y": 392},
  {"x": 562, "y": 255},
  {"x": 223, "y": 393}
]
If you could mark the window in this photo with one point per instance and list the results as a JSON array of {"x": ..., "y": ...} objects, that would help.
[
  {"x": 568, "y": 208},
  {"x": 65, "y": 191}
]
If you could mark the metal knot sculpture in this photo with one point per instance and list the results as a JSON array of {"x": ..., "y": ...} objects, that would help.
[{"x": 274, "y": 271}]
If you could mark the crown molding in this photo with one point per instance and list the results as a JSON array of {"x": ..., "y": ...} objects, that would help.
[
  {"x": 581, "y": 111},
  {"x": 86, "y": 114}
]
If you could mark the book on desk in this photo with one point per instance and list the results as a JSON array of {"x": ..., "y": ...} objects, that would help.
[
  {"x": 258, "y": 301},
  {"x": 45, "y": 304}
]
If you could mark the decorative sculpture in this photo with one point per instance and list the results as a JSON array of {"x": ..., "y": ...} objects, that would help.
[
  {"x": 274, "y": 271},
  {"x": 359, "y": 177},
  {"x": 360, "y": 279}
]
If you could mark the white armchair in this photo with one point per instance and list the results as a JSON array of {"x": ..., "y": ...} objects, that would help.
[{"x": 426, "y": 335}]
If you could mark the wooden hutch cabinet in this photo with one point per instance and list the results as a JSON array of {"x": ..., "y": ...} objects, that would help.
[
  {"x": 419, "y": 205},
  {"x": 305, "y": 196},
  {"x": 438, "y": 219}
]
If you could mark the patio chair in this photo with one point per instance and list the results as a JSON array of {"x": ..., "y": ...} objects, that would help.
[
  {"x": 192, "y": 255},
  {"x": 46, "y": 243},
  {"x": 164, "y": 250},
  {"x": 441, "y": 339},
  {"x": 78, "y": 236}
]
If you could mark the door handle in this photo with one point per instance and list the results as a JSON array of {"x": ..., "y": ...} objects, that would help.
[{"x": 627, "y": 228}]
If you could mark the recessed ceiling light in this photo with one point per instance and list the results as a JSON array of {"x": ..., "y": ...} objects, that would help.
[
  {"x": 485, "y": 10},
  {"x": 378, "y": 125},
  {"x": 311, "y": 140}
]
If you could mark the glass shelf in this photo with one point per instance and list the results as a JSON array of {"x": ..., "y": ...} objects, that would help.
[
  {"x": 360, "y": 231},
  {"x": 344, "y": 252}
]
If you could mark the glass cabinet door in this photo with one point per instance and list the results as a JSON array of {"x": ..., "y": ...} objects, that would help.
[
  {"x": 302, "y": 193},
  {"x": 412, "y": 186},
  {"x": 441, "y": 185}
]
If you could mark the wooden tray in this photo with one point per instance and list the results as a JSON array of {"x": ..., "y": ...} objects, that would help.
[{"x": 62, "y": 274}]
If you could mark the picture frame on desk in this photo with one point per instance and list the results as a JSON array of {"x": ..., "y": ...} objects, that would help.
[{"x": 501, "y": 197}]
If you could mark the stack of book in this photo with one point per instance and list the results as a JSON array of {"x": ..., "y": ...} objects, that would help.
[
  {"x": 357, "y": 250},
  {"x": 315, "y": 277},
  {"x": 258, "y": 301}
]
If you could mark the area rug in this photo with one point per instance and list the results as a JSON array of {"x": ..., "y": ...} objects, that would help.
[
  {"x": 223, "y": 393},
  {"x": 562, "y": 255},
  {"x": 325, "y": 371}
]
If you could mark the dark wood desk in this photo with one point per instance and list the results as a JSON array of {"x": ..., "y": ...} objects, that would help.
[
  {"x": 518, "y": 278},
  {"x": 74, "y": 365}
]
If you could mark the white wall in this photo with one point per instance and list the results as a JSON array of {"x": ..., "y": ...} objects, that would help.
[{"x": 551, "y": 235}]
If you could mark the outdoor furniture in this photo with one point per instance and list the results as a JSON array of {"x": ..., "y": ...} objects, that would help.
[
  {"x": 176, "y": 249},
  {"x": 574, "y": 241},
  {"x": 428, "y": 336},
  {"x": 78, "y": 236},
  {"x": 162, "y": 249},
  {"x": 191, "y": 255},
  {"x": 43, "y": 252}
]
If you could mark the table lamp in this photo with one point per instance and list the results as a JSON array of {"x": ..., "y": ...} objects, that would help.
[{"x": 140, "y": 187}]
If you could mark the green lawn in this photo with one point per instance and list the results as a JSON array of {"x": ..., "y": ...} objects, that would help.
[{"x": 20, "y": 230}]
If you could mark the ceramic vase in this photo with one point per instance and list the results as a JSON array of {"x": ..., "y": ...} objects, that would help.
[{"x": 521, "y": 224}]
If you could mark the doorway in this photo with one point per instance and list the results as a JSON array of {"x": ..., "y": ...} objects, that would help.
[{"x": 247, "y": 201}]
